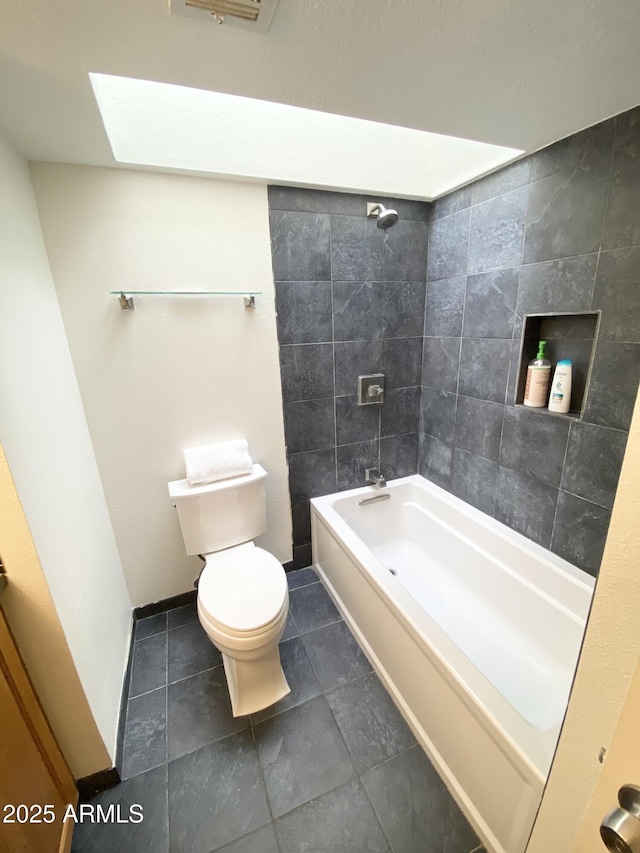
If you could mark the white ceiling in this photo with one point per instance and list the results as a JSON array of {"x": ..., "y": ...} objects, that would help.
[{"x": 510, "y": 72}]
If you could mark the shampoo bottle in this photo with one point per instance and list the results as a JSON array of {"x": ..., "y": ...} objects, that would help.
[
  {"x": 561, "y": 387},
  {"x": 538, "y": 375}
]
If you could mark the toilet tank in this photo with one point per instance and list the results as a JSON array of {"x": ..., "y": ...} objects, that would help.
[{"x": 221, "y": 514}]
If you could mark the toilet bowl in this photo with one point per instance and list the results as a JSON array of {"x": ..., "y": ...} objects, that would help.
[
  {"x": 243, "y": 604},
  {"x": 243, "y": 599}
]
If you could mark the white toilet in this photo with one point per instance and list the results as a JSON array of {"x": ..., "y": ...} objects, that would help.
[{"x": 243, "y": 600}]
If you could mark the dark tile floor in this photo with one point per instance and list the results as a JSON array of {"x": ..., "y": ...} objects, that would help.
[{"x": 332, "y": 768}]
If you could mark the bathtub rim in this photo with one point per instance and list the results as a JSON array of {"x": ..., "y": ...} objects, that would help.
[
  {"x": 532, "y": 749},
  {"x": 544, "y": 555}
]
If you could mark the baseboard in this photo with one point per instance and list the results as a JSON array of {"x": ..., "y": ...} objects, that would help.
[
  {"x": 124, "y": 696},
  {"x": 302, "y": 558},
  {"x": 89, "y": 786},
  {"x": 164, "y": 605}
]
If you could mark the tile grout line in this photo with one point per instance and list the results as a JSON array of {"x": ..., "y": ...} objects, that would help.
[
  {"x": 564, "y": 462},
  {"x": 358, "y": 775},
  {"x": 166, "y": 712},
  {"x": 457, "y": 391},
  {"x": 586, "y": 500},
  {"x": 264, "y": 783},
  {"x": 124, "y": 739},
  {"x": 604, "y": 218},
  {"x": 333, "y": 352},
  {"x": 384, "y": 277},
  {"x": 322, "y": 694},
  {"x": 194, "y": 674},
  {"x": 506, "y": 403},
  {"x": 147, "y": 692},
  {"x": 366, "y": 793},
  {"x": 166, "y": 799}
]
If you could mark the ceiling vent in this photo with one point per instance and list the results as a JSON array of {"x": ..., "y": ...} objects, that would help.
[{"x": 253, "y": 15}]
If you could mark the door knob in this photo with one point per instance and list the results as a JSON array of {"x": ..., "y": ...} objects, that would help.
[{"x": 620, "y": 829}]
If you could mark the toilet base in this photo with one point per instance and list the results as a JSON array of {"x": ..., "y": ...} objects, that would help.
[{"x": 255, "y": 684}]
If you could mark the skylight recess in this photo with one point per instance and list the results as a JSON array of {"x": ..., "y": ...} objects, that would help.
[{"x": 161, "y": 125}]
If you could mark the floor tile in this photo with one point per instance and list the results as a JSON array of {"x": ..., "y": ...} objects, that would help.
[
  {"x": 335, "y": 654},
  {"x": 290, "y": 630},
  {"x": 312, "y": 608},
  {"x": 298, "y": 763},
  {"x": 300, "y": 676},
  {"x": 179, "y": 616},
  {"x": 414, "y": 808},
  {"x": 302, "y": 755},
  {"x": 301, "y": 577},
  {"x": 190, "y": 651},
  {"x": 151, "y": 625},
  {"x": 199, "y": 712},
  {"x": 145, "y": 734},
  {"x": 370, "y": 723},
  {"x": 149, "y": 665},
  {"x": 339, "y": 821},
  {"x": 263, "y": 840},
  {"x": 150, "y": 835},
  {"x": 216, "y": 795}
]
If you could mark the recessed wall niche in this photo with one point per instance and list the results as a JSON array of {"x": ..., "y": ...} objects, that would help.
[{"x": 570, "y": 336}]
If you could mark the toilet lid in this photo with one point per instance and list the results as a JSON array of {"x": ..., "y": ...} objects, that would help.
[{"x": 243, "y": 588}]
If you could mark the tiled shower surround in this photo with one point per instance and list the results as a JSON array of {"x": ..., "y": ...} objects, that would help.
[
  {"x": 350, "y": 301},
  {"x": 556, "y": 232}
]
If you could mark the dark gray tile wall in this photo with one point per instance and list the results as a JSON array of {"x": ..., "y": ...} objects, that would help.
[
  {"x": 350, "y": 300},
  {"x": 557, "y": 231}
]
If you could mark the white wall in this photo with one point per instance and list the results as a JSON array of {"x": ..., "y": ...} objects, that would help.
[
  {"x": 175, "y": 371},
  {"x": 47, "y": 444}
]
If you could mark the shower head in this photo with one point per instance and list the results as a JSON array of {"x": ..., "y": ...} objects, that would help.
[{"x": 386, "y": 218}]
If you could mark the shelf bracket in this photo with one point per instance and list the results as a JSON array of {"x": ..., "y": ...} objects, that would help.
[
  {"x": 125, "y": 301},
  {"x": 249, "y": 302}
]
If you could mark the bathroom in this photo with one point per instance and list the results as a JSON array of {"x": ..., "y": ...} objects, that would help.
[{"x": 140, "y": 385}]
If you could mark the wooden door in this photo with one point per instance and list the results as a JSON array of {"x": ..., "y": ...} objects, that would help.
[
  {"x": 621, "y": 766},
  {"x": 33, "y": 772}
]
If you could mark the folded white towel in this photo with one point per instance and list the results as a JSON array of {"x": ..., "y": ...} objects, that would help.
[{"x": 219, "y": 461}]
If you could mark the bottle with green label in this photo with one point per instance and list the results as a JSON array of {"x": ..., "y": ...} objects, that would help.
[{"x": 538, "y": 375}]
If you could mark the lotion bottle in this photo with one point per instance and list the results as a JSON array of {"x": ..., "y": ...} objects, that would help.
[
  {"x": 538, "y": 375},
  {"x": 560, "y": 398}
]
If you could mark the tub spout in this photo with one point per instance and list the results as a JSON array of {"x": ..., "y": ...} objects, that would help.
[{"x": 374, "y": 478}]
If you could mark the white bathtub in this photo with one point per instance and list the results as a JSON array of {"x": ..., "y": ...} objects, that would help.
[{"x": 474, "y": 630}]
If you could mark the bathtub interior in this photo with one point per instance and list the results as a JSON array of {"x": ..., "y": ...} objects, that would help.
[
  {"x": 512, "y": 610},
  {"x": 522, "y": 640}
]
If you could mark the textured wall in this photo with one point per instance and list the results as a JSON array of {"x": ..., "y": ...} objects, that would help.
[
  {"x": 350, "y": 301},
  {"x": 557, "y": 231}
]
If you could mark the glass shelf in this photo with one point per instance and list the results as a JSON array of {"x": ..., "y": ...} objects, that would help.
[
  {"x": 187, "y": 292},
  {"x": 126, "y": 296}
]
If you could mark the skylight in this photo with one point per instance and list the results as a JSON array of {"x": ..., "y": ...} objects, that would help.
[{"x": 161, "y": 125}]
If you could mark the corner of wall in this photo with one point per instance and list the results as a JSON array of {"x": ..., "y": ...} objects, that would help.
[{"x": 49, "y": 450}]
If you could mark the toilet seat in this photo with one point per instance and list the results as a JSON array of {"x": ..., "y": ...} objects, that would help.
[{"x": 242, "y": 590}]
